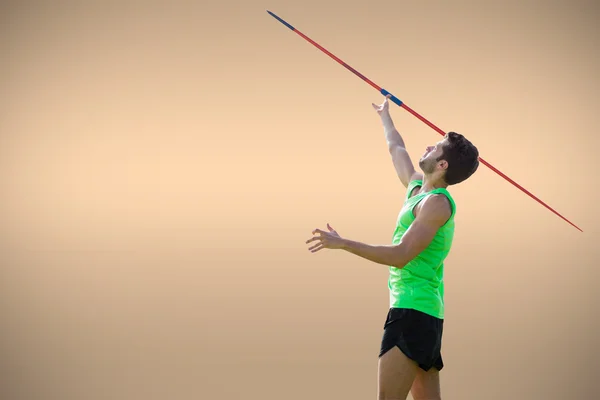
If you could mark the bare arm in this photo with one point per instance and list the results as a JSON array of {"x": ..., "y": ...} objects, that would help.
[
  {"x": 402, "y": 162},
  {"x": 433, "y": 213}
]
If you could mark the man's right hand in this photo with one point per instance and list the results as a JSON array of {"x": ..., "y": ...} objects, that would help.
[{"x": 383, "y": 107}]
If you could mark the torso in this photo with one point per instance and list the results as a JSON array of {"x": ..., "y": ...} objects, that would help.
[{"x": 419, "y": 285}]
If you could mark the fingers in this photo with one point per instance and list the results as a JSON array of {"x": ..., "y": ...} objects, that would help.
[
  {"x": 312, "y": 239},
  {"x": 381, "y": 106},
  {"x": 322, "y": 238},
  {"x": 315, "y": 248}
]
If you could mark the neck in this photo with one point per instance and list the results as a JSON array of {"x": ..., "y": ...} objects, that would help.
[{"x": 430, "y": 183}]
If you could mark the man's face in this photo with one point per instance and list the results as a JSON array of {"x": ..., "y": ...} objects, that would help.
[{"x": 429, "y": 161}]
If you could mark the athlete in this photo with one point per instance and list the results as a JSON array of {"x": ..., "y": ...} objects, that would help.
[{"x": 410, "y": 358}]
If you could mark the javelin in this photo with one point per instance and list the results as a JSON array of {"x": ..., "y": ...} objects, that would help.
[{"x": 401, "y": 104}]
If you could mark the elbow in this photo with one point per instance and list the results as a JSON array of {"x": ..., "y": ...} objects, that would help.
[
  {"x": 400, "y": 260},
  {"x": 399, "y": 264}
]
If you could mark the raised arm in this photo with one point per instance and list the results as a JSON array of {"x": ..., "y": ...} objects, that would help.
[{"x": 400, "y": 158}]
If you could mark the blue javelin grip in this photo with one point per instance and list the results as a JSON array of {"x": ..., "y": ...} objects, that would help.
[{"x": 392, "y": 98}]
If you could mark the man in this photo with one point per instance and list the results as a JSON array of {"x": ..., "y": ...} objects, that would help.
[{"x": 410, "y": 357}]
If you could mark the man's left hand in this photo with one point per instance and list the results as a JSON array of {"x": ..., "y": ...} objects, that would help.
[{"x": 325, "y": 240}]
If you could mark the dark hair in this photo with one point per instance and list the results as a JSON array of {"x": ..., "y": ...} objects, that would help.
[{"x": 462, "y": 157}]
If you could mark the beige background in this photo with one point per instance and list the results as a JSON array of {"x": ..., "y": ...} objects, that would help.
[{"x": 162, "y": 165}]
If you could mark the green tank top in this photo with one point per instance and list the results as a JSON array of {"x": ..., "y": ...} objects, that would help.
[{"x": 420, "y": 284}]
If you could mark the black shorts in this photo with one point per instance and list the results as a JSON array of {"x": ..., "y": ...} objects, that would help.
[{"x": 417, "y": 335}]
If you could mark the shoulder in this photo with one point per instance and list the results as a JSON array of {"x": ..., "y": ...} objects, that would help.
[
  {"x": 435, "y": 208},
  {"x": 416, "y": 176},
  {"x": 416, "y": 180}
]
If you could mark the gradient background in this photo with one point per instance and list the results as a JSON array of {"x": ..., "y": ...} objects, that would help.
[{"x": 162, "y": 165}]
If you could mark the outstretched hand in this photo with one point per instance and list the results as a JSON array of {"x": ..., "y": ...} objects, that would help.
[
  {"x": 325, "y": 240},
  {"x": 383, "y": 107}
]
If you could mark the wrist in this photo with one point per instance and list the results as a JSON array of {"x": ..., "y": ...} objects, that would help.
[
  {"x": 386, "y": 120},
  {"x": 345, "y": 244}
]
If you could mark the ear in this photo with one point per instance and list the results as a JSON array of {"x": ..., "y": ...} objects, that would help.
[{"x": 443, "y": 164}]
